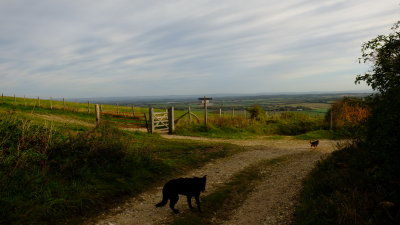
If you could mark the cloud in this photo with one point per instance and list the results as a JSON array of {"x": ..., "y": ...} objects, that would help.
[{"x": 194, "y": 46}]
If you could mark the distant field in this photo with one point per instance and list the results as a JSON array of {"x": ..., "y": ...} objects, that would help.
[{"x": 308, "y": 102}]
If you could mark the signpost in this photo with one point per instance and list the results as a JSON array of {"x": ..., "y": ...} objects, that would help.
[{"x": 205, "y": 101}]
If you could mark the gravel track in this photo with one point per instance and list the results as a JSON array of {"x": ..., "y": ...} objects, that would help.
[
  {"x": 141, "y": 210},
  {"x": 273, "y": 201}
]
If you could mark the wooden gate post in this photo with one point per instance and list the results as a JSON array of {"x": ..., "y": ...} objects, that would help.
[
  {"x": 151, "y": 119},
  {"x": 97, "y": 109},
  {"x": 171, "y": 118},
  {"x": 205, "y": 102}
]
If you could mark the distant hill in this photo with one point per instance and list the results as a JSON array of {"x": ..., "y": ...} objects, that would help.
[{"x": 183, "y": 98}]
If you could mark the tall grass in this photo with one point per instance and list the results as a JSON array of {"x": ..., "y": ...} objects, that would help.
[{"x": 286, "y": 123}]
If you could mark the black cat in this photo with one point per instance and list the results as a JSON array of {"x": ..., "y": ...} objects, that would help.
[{"x": 191, "y": 187}]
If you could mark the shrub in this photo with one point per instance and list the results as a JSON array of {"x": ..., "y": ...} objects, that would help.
[
  {"x": 256, "y": 112},
  {"x": 348, "y": 116}
]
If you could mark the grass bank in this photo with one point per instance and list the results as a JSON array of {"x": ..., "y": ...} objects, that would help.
[
  {"x": 48, "y": 176},
  {"x": 355, "y": 185}
]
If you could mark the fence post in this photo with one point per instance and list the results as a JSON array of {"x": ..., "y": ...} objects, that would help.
[
  {"x": 233, "y": 112},
  {"x": 133, "y": 111},
  {"x": 15, "y": 100},
  {"x": 171, "y": 119},
  {"x": 63, "y": 104},
  {"x": 97, "y": 109},
  {"x": 88, "y": 106},
  {"x": 38, "y": 101},
  {"x": 117, "y": 109},
  {"x": 151, "y": 119},
  {"x": 51, "y": 103},
  {"x": 205, "y": 113}
]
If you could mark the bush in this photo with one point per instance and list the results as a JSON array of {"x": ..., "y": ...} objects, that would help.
[
  {"x": 348, "y": 116},
  {"x": 45, "y": 175},
  {"x": 256, "y": 112},
  {"x": 104, "y": 145}
]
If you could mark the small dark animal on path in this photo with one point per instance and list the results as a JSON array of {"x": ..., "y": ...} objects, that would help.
[
  {"x": 191, "y": 187},
  {"x": 314, "y": 143}
]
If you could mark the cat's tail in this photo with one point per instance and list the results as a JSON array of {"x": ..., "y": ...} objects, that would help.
[{"x": 163, "y": 201}]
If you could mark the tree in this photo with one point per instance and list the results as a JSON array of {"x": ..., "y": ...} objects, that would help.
[
  {"x": 384, "y": 124},
  {"x": 384, "y": 52}
]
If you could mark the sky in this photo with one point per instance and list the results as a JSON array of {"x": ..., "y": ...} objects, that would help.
[{"x": 112, "y": 48}]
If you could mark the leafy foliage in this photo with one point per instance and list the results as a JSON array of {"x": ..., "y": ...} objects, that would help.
[
  {"x": 384, "y": 52},
  {"x": 384, "y": 124},
  {"x": 348, "y": 116}
]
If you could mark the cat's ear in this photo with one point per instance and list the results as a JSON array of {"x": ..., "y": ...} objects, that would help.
[{"x": 205, "y": 176}]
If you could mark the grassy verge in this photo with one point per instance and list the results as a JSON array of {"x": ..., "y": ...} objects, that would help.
[
  {"x": 48, "y": 176},
  {"x": 319, "y": 134},
  {"x": 219, "y": 205}
]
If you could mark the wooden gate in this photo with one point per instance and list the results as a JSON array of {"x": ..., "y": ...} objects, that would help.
[{"x": 161, "y": 121}]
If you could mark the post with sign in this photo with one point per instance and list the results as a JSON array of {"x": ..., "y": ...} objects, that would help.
[{"x": 205, "y": 101}]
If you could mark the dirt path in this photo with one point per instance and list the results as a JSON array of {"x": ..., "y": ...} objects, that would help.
[
  {"x": 141, "y": 210},
  {"x": 273, "y": 201}
]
